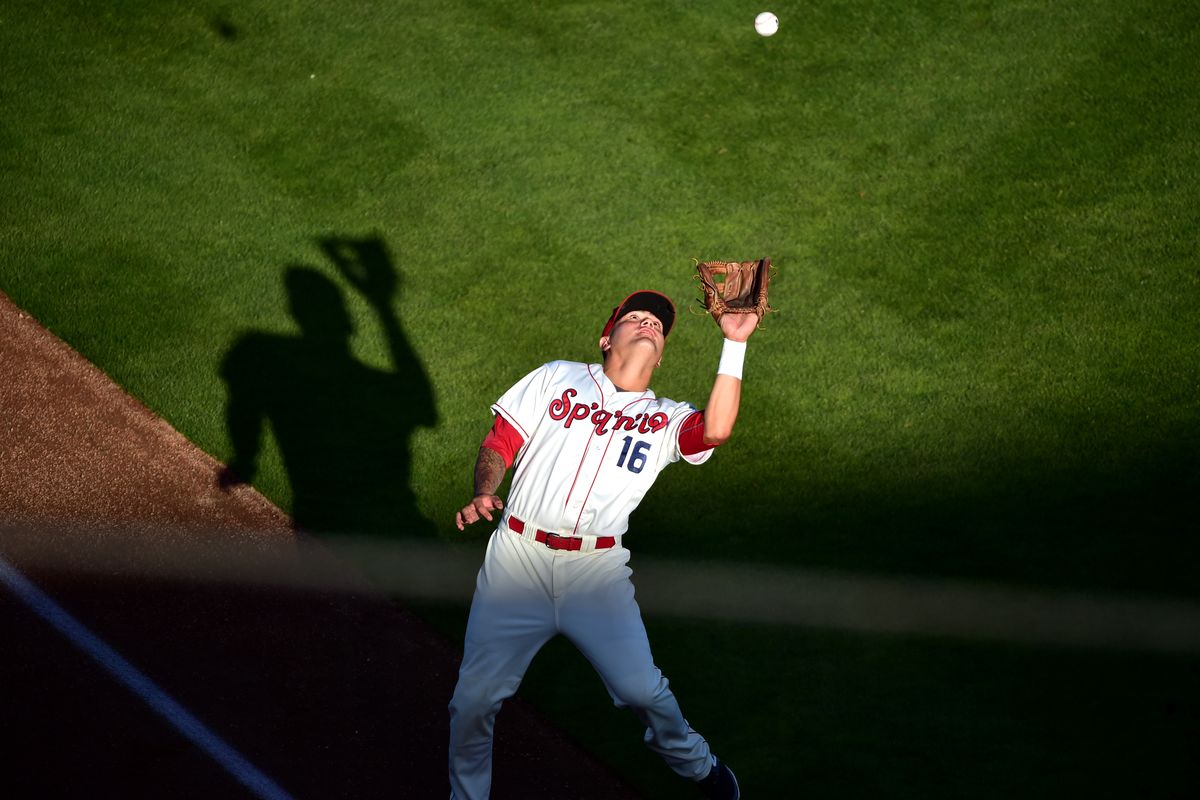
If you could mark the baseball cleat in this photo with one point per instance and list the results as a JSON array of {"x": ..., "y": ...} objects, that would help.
[{"x": 720, "y": 783}]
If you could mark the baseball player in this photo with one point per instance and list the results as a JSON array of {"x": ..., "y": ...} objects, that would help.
[{"x": 587, "y": 442}]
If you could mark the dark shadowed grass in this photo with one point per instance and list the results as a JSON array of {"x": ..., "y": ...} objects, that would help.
[{"x": 826, "y": 715}]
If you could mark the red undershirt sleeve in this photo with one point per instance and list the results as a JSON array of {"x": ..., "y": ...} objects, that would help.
[
  {"x": 504, "y": 439},
  {"x": 691, "y": 435}
]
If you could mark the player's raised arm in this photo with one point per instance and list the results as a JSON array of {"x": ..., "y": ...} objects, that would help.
[
  {"x": 726, "y": 397},
  {"x": 735, "y": 293}
]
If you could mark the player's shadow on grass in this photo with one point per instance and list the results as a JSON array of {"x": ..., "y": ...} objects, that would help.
[{"x": 343, "y": 428}]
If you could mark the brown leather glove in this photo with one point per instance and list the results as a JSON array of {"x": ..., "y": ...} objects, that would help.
[{"x": 735, "y": 287}]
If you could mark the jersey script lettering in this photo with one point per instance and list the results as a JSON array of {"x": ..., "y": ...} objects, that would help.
[{"x": 564, "y": 408}]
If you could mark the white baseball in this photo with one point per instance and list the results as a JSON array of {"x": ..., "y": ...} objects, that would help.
[{"x": 766, "y": 24}]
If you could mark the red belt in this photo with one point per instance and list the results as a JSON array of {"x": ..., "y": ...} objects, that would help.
[{"x": 556, "y": 541}]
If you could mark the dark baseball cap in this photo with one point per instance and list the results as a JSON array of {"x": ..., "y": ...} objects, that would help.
[{"x": 656, "y": 303}]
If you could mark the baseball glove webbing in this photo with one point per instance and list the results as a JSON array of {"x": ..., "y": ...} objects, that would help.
[{"x": 735, "y": 287}]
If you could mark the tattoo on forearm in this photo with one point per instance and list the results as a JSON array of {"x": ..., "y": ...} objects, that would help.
[{"x": 489, "y": 471}]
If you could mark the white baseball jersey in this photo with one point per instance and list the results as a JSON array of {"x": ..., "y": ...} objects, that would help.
[{"x": 591, "y": 452}]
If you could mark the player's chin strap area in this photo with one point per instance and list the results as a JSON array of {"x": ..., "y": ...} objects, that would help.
[{"x": 557, "y": 541}]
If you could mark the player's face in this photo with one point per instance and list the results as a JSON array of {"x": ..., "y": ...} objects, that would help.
[{"x": 638, "y": 327}]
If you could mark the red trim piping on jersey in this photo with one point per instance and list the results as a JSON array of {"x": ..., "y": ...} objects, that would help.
[
  {"x": 595, "y": 477},
  {"x": 567, "y": 500},
  {"x": 603, "y": 455},
  {"x": 575, "y": 480},
  {"x": 513, "y": 420},
  {"x": 579, "y": 469},
  {"x": 599, "y": 388}
]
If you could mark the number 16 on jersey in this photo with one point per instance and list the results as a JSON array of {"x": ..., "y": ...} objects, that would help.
[{"x": 636, "y": 459}]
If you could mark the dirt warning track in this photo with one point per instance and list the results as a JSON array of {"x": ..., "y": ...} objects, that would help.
[{"x": 167, "y": 638}]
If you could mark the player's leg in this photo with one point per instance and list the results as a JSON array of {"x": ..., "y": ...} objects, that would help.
[
  {"x": 511, "y": 619},
  {"x": 601, "y": 617}
]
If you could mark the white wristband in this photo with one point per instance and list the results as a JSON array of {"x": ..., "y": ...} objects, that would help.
[{"x": 733, "y": 355}]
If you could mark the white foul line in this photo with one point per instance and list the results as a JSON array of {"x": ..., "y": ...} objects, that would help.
[{"x": 108, "y": 658}]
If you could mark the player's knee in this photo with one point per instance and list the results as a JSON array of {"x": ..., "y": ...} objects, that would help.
[
  {"x": 475, "y": 701},
  {"x": 641, "y": 691}
]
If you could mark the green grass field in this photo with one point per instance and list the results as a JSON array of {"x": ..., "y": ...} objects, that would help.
[{"x": 985, "y": 363}]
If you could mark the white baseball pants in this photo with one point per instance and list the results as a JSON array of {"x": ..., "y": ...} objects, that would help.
[{"x": 525, "y": 594}]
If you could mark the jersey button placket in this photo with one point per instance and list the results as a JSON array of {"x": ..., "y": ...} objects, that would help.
[{"x": 589, "y": 468}]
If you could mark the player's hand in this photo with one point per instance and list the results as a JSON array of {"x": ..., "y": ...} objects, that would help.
[
  {"x": 480, "y": 506},
  {"x": 365, "y": 263},
  {"x": 738, "y": 327}
]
